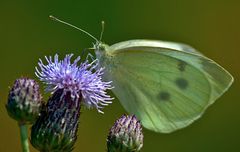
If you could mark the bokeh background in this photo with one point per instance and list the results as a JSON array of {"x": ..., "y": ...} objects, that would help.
[{"x": 211, "y": 26}]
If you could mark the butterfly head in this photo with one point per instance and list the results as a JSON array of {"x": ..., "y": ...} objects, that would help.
[
  {"x": 100, "y": 46},
  {"x": 100, "y": 49}
]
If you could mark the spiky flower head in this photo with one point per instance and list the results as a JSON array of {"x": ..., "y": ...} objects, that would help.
[
  {"x": 80, "y": 80},
  {"x": 56, "y": 128},
  {"x": 24, "y": 101},
  {"x": 125, "y": 135}
]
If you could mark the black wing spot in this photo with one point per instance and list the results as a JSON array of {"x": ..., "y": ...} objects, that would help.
[
  {"x": 164, "y": 95},
  {"x": 182, "y": 66},
  {"x": 181, "y": 83}
]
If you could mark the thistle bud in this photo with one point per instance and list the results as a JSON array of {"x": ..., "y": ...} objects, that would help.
[
  {"x": 56, "y": 128},
  {"x": 24, "y": 101},
  {"x": 125, "y": 135}
]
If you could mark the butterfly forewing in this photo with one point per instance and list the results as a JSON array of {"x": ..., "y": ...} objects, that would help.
[{"x": 166, "y": 87}]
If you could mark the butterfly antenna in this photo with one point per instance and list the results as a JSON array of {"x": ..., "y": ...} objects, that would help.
[
  {"x": 101, "y": 35},
  {"x": 58, "y": 20}
]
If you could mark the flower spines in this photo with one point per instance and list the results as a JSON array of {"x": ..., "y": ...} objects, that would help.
[
  {"x": 125, "y": 135},
  {"x": 24, "y": 101},
  {"x": 56, "y": 129},
  {"x": 84, "y": 79}
]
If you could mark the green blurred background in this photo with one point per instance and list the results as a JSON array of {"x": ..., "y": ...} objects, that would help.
[{"x": 211, "y": 26}]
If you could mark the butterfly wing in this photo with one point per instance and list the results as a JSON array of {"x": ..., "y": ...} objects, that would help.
[{"x": 166, "y": 85}]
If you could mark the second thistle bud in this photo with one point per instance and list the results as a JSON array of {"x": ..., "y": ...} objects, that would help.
[
  {"x": 125, "y": 135},
  {"x": 24, "y": 101}
]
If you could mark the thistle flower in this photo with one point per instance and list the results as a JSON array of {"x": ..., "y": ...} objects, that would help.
[
  {"x": 24, "y": 101},
  {"x": 69, "y": 83},
  {"x": 125, "y": 135},
  {"x": 56, "y": 128},
  {"x": 83, "y": 80}
]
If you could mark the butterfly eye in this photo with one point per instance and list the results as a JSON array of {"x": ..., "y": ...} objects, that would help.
[{"x": 101, "y": 46}]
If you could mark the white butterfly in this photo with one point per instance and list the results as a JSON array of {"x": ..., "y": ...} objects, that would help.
[{"x": 166, "y": 85}]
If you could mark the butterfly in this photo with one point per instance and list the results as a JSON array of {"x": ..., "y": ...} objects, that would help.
[{"x": 167, "y": 85}]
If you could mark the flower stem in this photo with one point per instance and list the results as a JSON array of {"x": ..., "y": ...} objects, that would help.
[{"x": 24, "y": 137}]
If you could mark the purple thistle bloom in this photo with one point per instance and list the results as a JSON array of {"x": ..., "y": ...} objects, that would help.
[{"x": 81, "y": 80}]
